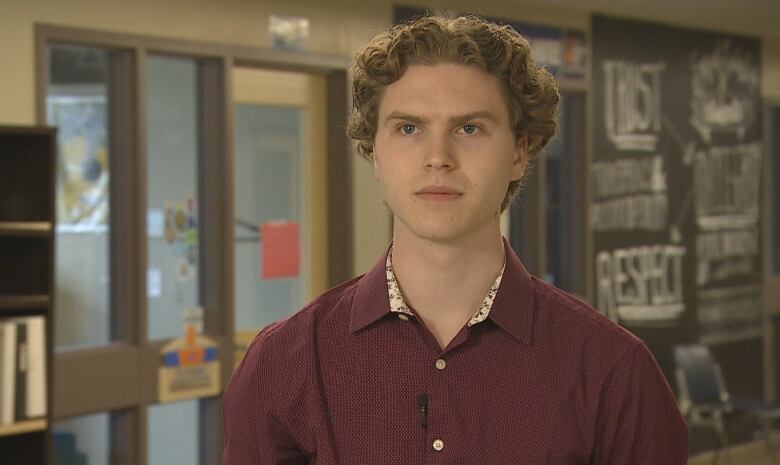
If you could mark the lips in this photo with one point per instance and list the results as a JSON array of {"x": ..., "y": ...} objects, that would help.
[{"x": 438, "y": 193}]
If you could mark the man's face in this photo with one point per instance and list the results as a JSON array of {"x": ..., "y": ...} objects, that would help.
[{"x": 445, "y": 152}]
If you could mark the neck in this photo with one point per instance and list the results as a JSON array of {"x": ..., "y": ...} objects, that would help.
[{"x": 445, "y": 282}]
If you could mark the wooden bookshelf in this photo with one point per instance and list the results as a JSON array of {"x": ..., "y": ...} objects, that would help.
[
  {"x": 27, "y": 218},
  {"x": 27, "y": 426},
  {"x": 25, "y": 229},
  {"x": 20, "y": 302}
]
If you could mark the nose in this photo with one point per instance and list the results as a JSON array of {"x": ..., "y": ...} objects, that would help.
[{"x": 439, "y": 155}]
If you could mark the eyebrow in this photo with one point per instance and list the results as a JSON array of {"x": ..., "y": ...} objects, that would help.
[{"x": 484, "y": 114}]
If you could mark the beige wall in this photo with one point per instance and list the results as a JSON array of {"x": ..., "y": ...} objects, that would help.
[
  {"x": 770, "y": 61},
  {"x": 336, "y": 27}
]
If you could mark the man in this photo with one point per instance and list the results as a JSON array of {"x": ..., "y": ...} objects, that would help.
[{"x": 448, "y": 351}]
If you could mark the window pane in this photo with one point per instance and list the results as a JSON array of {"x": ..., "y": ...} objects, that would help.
[
  {"x": 269, "y": 188},
  {"x": 77, "y": 103},
  {"x": 172, "y": 216},
  {"x": 82, "y": 440},
  {"x": 173, "y": 433}
]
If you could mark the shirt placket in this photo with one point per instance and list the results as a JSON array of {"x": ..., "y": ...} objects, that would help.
[
  {"x": 442, "y": 444},
  {"x": 440, "y": 439},
  {"x": 441, "y": 435}
]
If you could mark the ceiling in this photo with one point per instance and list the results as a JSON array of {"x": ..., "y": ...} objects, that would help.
[{"x": 751, "y": 17}]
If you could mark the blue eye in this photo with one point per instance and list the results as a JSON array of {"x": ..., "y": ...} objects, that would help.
[
  {"x": 408, "y": 128},
  {"x": 469, "y": 128}
]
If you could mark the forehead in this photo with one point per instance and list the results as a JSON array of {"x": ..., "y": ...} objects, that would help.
[{"x": 444, "y": 89}]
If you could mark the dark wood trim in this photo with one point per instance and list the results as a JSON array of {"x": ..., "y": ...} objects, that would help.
[
  {"x": 310, "y": 62},
  {"x": 228, "y": 157},
  {"x": 125, "y": 259},
  {"x": 16, "y": 302},
  {"x": 141, "y": 314},
  {"x": 528, "y": 221},
  {"x": 210, "y": 443},
  {"x": 51, "y": 317},
  {"x": 150, "y": 367},
  {"x": 213, "y": 194},
  {"x": 540, "y": 228},
  {"x": 590, "y": 291},
  {"x": 96, "y": 380},
  {"x": 771, "y": 285},
  {"x": 578, "y": 174},
  {"x": 771, "y": 208},
  {"x": 26, "y": 228},
  {"x": 125, "y": 445},
  {"x": 216, "y": 205},
  {"x": 340, "y": 215}
]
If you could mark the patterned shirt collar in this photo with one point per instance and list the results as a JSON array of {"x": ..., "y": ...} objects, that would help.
[{"x": 398, "y": 305}]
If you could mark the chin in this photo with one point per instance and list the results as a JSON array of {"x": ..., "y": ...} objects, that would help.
[
  {"x": 434, "y": 226},
  {"x": 437, "y": 233}
]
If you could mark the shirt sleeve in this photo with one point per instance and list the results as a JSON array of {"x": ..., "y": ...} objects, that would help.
[
  {"x": 639, "y": 422},
  {"x": 253, "y": 435}
]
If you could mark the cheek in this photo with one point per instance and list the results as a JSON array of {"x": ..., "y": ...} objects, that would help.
[
  {"x": 388, "y": 177},
  {"x": 498, "y": 183}
]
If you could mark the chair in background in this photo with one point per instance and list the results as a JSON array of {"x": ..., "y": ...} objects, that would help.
[{"x": 705, "y": 401}]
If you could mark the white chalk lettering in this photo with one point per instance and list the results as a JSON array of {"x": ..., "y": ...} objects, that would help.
[
  {"x": 628, "y": 176},
  {"x": 637, "y": 212},
  {"x": 725, "y": 92},
  {"x": 641, "y": 284},
  {"x": 737, "y": 266},
  {"x": 722, "y": 244},
  {"x": 727, "y": 185},
  {"x": 730, "y": 314},
  {"x": 632, "y": 108}
]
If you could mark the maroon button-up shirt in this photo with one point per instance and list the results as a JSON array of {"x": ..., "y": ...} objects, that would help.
[{"x": 545, "y": 379}]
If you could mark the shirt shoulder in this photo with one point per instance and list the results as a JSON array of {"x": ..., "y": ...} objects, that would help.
[
  {"x": 294, "y": 336},
  {"x": 275, "y": 373},
  {"x": 571, "y": 321}
]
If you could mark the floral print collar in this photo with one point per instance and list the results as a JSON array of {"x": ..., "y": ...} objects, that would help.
[{"x": 398, "y": 305}]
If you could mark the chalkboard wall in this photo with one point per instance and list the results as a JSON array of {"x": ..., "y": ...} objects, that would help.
[{"x": 676, "y": 183}]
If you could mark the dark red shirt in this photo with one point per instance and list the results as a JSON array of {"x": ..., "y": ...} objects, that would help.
[{"x": 545, "y": 379}]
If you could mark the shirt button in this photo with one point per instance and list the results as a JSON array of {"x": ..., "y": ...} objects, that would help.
[
  {"x": 403, "y": 317},
  {"x": 438, "y": 444},
  {"x": 441, "y": 364}
]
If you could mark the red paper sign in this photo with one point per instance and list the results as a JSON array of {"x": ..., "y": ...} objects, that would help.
[{"x": 280, "y": 250}]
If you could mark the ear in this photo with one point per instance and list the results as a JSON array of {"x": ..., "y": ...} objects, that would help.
[
  {"x": 375, "y": 164},
  {"x": 521, "y": 158}
]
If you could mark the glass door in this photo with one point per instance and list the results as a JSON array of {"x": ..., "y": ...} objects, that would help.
[{"x": 280, "y": 197}]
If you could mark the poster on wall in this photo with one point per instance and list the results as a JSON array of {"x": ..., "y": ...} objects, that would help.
[
  {"x": 181, "y": 235},
  {"x": 676, "y": 180},
  {"x": 83, "y": 168},
  {"x": 189, "y": 366}
]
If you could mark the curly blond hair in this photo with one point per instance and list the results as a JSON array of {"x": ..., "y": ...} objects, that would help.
[{"x": 530, "y": 91}]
